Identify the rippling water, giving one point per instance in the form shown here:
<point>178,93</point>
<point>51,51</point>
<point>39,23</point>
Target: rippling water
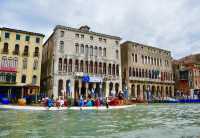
<point>152,121</point>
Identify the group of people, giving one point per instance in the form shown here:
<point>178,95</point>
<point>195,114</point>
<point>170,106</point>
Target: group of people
<point>50,102</point>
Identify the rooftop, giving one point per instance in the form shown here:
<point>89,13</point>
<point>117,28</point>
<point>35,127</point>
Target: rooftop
<point>86,29</point>
<point>21,31</point>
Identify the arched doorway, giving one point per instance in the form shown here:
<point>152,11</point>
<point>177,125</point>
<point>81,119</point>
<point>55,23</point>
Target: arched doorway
<point>117,88</point>
<point>60,87</point>
<point>133,90</point>
<point>76,90</point>
<point>138,91</point>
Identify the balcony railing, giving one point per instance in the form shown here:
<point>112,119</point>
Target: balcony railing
<point>15,52</point>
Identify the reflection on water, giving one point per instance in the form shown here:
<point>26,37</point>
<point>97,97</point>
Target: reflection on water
<point>153,121</point>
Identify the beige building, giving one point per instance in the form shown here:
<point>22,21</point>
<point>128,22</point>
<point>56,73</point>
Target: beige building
<point>79,62</point>
<point>146,68</point>
<point>20,62</point>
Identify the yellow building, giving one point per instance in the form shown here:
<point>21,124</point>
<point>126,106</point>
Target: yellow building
<point>20,62</point>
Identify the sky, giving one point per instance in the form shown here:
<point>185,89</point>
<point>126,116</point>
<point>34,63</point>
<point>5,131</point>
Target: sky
<point>168,24</point>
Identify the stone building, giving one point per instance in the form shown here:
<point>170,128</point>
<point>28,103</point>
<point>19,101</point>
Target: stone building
<point>146,68</point>
<point>20,62</point>
<point>79,61</point>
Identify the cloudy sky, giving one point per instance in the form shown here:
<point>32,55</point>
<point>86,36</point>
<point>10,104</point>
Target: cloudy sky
<point>170,24</point>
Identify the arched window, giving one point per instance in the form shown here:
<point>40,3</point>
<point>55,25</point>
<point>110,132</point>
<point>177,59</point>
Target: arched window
<point>143,73</point>
<point>23,80</point>
<point>104,68</point>
<point>35,64</point>
<point>109,69</point>
<point>76,65</point>
<point>34,79</point>
<point>91,50</point>
<point>82,49</point>
<point>25,62</point>
<point>10,61</point>
<point>134,72</point>
<point>95,51</point>
<point>81,66</point>
<point>36,53</point>
<point>91,67</point>
<point>70,65</point>
<point>140,74</point>
<point>60,64</point>
<point>117,70</point>
<point>130,72</point>
<point>86,50</point>
<point>149,73</point>
<point>77,48</point>
<point>60,87</point>
<point>61,48</point>
<point>100,51</point>
<point>117,54</point>
<point>86,67</point>
<point>100,68</point>
<point>95,67</point>
<point>113,69</point>
<point>26,50</point>
<point>5,48</point>
<point>65,65</point>
<point>16,51</point>
<point>15,62</point>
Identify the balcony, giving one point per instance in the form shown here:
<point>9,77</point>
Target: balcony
<point>4,51</point>
<point>36,54</point>
<point>15,52</point>
<point>26,54</point>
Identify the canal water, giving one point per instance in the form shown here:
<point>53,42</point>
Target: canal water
<point>142,121</point>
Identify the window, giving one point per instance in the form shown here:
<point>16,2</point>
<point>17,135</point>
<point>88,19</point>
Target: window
<point>109,69</point>
<point>104,40</point>
<point>10,62</point>
<point>36,53</point>
<point>91,38</point>
<point>86,67</point>
<point>25,63</point>
<point>34,79</point>
<point>65,65</point>
<point>62,33</point>
<point>82,36</point>
<point>100,39</point>
<point>37,40</point>
<point>35,64</point>
<point>95,51</point>
<point>16,51</point>
<point>133,57</point>
<point>117,42</point>
<point>17,37</point>
<point>27,38</point>
<point>26,51</point>
<point>4,62</point>
<point>61,46</point>
<point>77,35</point>
<point>60,64</point>
<point>7,35</point>
<point>5,48</point>
<point>86,50</point>
<point>91,67</point>
<point>76,65</point>
<point>117,54</point>
<point>82,49</point>
<point>136,58</point>
<point>15,62</point>
<point>104,52</point>
<point>117,70</point>
<point>70,65</point>
<point>100,51</point>
<point>77,48</point>
<point>23,79</point>
<point>91,50</point>
<point>81,66</point>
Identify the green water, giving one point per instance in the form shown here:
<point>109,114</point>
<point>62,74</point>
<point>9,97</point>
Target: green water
<point>153,121</point>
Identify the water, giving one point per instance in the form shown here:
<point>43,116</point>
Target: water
<point>153,121</point>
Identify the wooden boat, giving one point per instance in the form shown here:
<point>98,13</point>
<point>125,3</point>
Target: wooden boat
<point>42,108</point>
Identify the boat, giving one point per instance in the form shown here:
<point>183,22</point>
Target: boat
<point>42,108</point>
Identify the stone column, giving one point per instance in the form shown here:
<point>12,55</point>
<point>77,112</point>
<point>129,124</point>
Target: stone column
<point>107,88</point>
<point>87,86</point>
<point>72,88</point>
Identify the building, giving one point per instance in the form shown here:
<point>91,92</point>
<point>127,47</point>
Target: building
<point>79,61</point>
<point>146,68</point>
<point>187,74</point>
<point>20,62</point>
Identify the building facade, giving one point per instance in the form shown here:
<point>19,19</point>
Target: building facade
<point>20,62</point>
<point>187,74</point>
<point>79,62</point>
<point>146,68</point>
